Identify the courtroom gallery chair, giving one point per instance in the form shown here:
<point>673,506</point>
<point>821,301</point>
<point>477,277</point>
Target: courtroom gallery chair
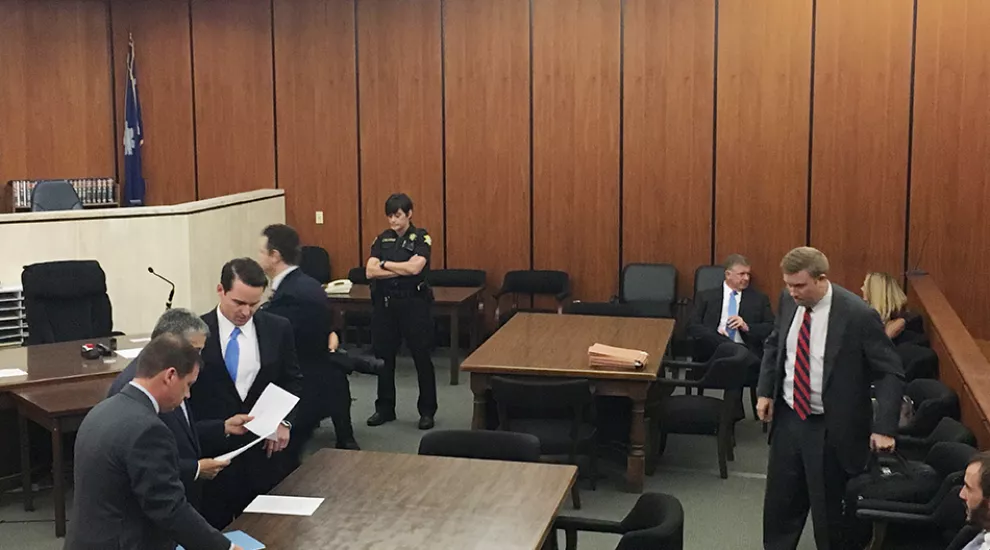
<point>315,262</point>
<point>559,412</point>
<point>358,321</point>
<point>555,284</point>
<point>481,444</point>
<point>650,288</point>
<point>457,278</point>
<point>947,430</point>
<point>919,361</point>
<point>656,522</point>
<point>54,195</point>
<point>726,370</point>
<point>933,401</point>
<point>66,300</point>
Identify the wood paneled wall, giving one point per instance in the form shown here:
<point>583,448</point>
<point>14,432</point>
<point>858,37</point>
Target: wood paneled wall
<point>566,134</point>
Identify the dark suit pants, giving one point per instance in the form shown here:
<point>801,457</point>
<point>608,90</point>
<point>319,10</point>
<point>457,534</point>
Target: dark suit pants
<point>804,472</point>
<point>249,475</point>
<point>406,319</point>
<point>326,392</point>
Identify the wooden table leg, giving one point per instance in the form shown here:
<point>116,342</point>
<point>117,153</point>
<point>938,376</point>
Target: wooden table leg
<point>22,427</point>
<point>479,387</point>
<point>455,344</point>
<point>58,475</point>
<point>636,462</point>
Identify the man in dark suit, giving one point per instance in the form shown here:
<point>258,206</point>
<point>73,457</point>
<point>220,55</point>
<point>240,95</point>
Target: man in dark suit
<point>733,312</point>
<point>300,299</point>
<point>194,438</point>
<point>247,350</point>
<point>827,348</point>
<point>127,488</point>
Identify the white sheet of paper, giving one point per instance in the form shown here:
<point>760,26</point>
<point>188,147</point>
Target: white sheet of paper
<point>144,340</point>
<point>129,353</point>
<point>271,409</point>
<point>4,373</point>
<point>237,452</point>
<point>287,506</point>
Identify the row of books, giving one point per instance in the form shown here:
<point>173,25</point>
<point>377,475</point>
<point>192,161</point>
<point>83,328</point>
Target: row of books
<point>92,191</point>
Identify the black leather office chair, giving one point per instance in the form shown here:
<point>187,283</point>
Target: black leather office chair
<point>54,195</point>
<point>66,300</point>
<point>656,522</point>
<point>933,401</point>
<point>481,444</point>
<point>650,288</point>
<point>919,361</point>
<point>707,277</point>
<point>947,430</point>
<point>315,262</point>
<point>534,283</point>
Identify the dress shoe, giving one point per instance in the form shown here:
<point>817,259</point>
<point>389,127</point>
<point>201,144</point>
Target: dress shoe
<point>348,444</point>
<point>378,418</point>
<point>426,422</point>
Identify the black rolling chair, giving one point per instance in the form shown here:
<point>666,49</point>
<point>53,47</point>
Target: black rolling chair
<point>358,321</point>
<point>933,401</point>
<point>54,195</point>
<point>701,414</point>
<point>650,288</point>
<point>66,301</point>
<point>457,278</point>
<point>481,444</point>
<point>560,413</point>
<point>533,283</point>
<point>656,522</point>
<point>315,262</point>
<point>947,430</point>
<point>919,361</point>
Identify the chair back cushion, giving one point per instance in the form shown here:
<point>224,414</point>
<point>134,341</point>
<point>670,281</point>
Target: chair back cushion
<point>656,521</point>
<point>54,195</point>
<point>933,401</point>
<point>456,277</point>
<point>648,282</point>
<point>358,276</point>
<point>65,301</point>
<point>315,262</point>
<point>481,444</point>
<point>540,282</point>
<point>708,277</point>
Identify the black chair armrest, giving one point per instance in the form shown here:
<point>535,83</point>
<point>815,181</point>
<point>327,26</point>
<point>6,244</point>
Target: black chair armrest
<point>677,364</point>
<point>117,333</point>
<point>890,516</point>
<point>563,296</point>
<point>680,383</point>
<point>571,523</point>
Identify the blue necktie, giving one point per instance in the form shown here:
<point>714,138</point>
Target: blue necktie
<point>233,354</point>
<point>733,310</point>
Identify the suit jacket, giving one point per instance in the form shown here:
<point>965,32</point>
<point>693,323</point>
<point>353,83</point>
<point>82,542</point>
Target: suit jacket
<point>754,308</point>
<point>300,299</point>
<point>188,435</point>
<point>857,353</point>
<point>127,489</point>
<point>214,396</point>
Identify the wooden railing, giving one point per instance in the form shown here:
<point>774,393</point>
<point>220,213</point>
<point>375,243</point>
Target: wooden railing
<point>962,365</point>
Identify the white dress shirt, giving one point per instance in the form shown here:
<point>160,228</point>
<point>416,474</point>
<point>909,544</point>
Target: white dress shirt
<point>249,361</point>
<point>981,542</point>
<point>816,352</point>
<point>277,280</point>
<point>145,391</point>
<point>726,294</point>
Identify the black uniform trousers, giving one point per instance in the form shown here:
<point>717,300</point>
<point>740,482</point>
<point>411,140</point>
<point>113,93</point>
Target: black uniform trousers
<point>409,319</point>
<point>804,472</point>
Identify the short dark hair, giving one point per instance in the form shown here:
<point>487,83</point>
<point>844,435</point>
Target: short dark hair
<point>735,259</point>
<point>285,240</point>
<point>167,351</point>
<point>396,202</point>
<point>983,459</point>
<point>246,270</point>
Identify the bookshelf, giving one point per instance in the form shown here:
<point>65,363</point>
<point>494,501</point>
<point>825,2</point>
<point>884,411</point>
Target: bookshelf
<point>93,193</point>
<point>13,318</point>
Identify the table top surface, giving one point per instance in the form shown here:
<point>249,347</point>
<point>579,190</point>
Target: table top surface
<point>66,398</point>
<point>548,344</point>
<point>443,295</point>
<point>384,501</point>
<point>47,363</point>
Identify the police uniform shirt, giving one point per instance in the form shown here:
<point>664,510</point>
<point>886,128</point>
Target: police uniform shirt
<point>389,247</point>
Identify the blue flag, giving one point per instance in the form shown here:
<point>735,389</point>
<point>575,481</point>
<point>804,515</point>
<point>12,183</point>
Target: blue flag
<point>133,135</point>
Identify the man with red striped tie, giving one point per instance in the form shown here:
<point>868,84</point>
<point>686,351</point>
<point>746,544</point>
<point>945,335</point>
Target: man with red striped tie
<point>826,350</point>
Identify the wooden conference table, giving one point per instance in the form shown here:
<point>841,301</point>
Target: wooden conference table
<point>447,300</point>
<point>542,344</point>
<point>385,501</point>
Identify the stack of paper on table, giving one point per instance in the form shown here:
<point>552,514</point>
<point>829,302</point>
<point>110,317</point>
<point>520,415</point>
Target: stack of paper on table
<point>600,355</point>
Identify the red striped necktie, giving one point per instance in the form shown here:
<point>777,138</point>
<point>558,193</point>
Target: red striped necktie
<point>802,369</point>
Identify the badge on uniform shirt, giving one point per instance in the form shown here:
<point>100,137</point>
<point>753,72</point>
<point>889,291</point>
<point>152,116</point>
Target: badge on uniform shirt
<point>412,237</point>
<point>428,240</point>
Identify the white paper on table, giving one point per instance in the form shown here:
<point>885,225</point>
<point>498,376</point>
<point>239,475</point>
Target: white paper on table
<point>288,506</point>
<point>4,373</point>
<point>144,340</point>
<point>237,452</point>
<point>129,353</point>
<point>270,410</point>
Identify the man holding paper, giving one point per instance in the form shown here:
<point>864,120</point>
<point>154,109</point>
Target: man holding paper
<point>127,488</point>
<point>247,351</point>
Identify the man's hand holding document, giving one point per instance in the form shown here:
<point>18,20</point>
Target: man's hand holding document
<point>602,356</point>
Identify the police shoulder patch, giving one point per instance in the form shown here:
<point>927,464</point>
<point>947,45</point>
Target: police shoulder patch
<point>427,240</point>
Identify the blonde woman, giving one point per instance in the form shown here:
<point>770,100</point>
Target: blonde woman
<point>882,292</point>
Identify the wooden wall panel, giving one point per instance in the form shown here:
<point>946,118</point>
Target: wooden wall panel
<point>576,113</point>
<point>232,70</point>
<point>161,32</point>
<point>401,114</point>
<point>316,106</point>
<point>668,107</point>
<point>859,162</point>
<point>56,111</point>
<point>487,125</point>
<point>762,132</point>
<point>950,182</point>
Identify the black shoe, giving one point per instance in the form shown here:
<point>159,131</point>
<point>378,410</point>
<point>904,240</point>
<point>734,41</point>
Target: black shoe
<point>378,418</point>
<point>348,444</point>
<point>426,422</point>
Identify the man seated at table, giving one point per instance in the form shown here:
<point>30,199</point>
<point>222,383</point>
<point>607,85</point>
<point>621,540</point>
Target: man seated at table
<point>194,438</point>
<point>733,312</point>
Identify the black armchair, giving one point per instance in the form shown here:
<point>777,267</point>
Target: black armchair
<point>533,283</point>
<point>933,401</point>
<point>656,522</point>
<point>315,262</point>
<point>54,195</point>
<point>65,301</point>
<point>919,361</point>
<point>650,288</point>
<point>947,429</point>
<point>481,444</point>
